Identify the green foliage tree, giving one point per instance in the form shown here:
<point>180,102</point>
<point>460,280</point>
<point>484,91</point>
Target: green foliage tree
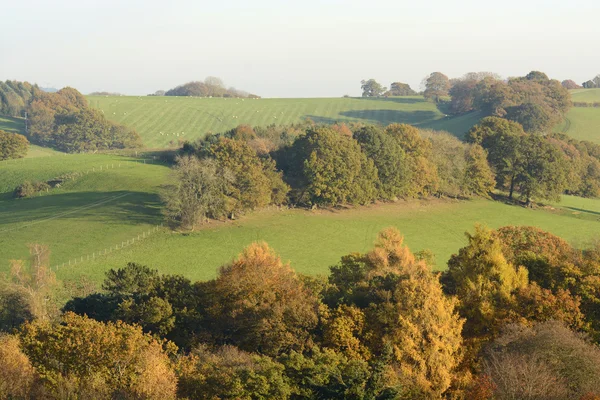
<point>479,179</point>
<point>255,183</point>
<point>437,86</point>
<point>330,169</point>
<point>229,373</point>
<point>12,145</point>
<point>423,172</point>
<point>389,159</point>
<point>400,89</point>
<point>371,88</point>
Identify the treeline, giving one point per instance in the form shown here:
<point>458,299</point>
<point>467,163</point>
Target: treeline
<point>538,166</point>
<point>63,120</point>
<point>372,88</point>
<point>15,97</point>
<point>12,145</point>
<point>210,87</point>
<point>516,315</point>
<point>535,101</point>
<point>311,165</point>
<point>592,83</point>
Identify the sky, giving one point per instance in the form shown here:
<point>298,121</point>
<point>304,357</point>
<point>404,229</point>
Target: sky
<point>278,48</point>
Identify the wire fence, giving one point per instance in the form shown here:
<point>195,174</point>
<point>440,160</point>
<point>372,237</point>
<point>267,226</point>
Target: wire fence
<point>108,250</point>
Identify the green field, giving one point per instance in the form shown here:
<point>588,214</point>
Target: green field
<point>167,121</point>
<point>106,208</point>
<point>586,95</point>
<point>582,124</point>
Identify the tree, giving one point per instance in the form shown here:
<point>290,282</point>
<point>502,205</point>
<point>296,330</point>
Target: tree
<point>546,361</point>
<point>255,183</point>
<point>329,169</point>
<point>260,305</point>
<point>437,86</point>
<point>389,159</point>
<point>18,378</point>
<point>502,139</point>
<point>424,177</point>
<point>570,84</point>
<point>12,145</point>
<point>83,357</point>
<point>405,313</point>
<point>198,192</point>
<point>479,179</point>
<point>400,89</point>
<point>484,281</point>
<point>229,373</point>
<point>371,88</point>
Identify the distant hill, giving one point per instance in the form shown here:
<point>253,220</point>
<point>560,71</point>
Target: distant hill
<point>166,121</point>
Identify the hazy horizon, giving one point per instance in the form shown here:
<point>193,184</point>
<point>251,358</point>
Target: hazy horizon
<point>308,49</point>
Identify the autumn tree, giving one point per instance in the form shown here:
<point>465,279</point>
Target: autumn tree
<point>570,84</point>
<point>546,361</point>
<point>12,145</point>
<point>83,357</point>
<point>371,88</point>
<point>260,305</point>
<point>436,85</point>
<point>484,281</point>
<point>405,312</point>
<point>18,378</point>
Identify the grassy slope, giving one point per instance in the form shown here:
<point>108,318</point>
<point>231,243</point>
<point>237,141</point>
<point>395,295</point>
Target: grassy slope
<point>587,95</point>
<point>583,123</point>
<point>88,215</point>
<point>163,121</point>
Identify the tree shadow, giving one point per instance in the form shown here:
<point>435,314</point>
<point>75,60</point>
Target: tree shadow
<point>381,117</point>
<point>583,210</point>
<point>401,100</point>
<point>116,206</point>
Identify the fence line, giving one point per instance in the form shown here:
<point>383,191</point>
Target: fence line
<point>108,250</point>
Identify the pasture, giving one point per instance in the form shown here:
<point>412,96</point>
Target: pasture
<point>167,121</point>
<point>105,209</point>
<point>586,95</point>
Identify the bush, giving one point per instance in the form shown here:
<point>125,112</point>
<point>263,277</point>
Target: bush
<point>29,189</point>
<point>12,145</point>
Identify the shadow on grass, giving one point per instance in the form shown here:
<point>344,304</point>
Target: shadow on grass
<point>582,210</point>
<point>11,124</point>
<point>384,117</point>
<point>401,100</point>
<point>109,207</point>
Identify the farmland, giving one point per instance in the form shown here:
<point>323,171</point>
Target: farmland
<point>166,121</point>
<point>105,208</point>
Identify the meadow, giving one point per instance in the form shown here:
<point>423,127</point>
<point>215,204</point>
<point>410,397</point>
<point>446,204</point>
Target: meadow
<point>166,121</point>
<point>106,208</point>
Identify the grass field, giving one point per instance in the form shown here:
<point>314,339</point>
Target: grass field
<point>166,121</point>
<point>103,209</point>
<point>586,95</point>
<point>582,124</point>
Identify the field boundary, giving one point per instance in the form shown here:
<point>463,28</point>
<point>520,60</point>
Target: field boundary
<point>108,250</point>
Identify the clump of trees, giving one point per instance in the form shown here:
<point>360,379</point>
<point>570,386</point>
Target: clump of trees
<point>320,166</point>
<point>12,145</point>
<point>514,316</point>
<point>210,87</point>
<point>63,119</point>
<point>400,89</point>
<point>535,166</point>
<point>535,101</point>
<point>437,86</point>
<point>592,83</point>
<point>372,88</point>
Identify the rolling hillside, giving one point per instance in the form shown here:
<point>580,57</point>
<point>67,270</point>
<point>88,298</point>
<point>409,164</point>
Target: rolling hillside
<point>583,123</point>
<point>166,121</point>
<point>114,207</point>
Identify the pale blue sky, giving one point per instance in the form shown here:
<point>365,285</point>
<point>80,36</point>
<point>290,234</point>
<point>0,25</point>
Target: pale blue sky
<point>291,49</point>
